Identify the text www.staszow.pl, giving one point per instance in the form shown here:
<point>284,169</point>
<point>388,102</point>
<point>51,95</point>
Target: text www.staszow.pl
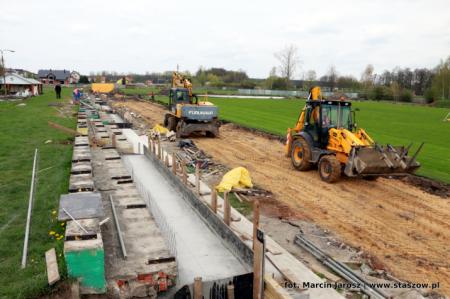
<point>349,285</point>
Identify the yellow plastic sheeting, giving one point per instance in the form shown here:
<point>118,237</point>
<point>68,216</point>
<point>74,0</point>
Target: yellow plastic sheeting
<point>160,129</point>
<point>238,177</point>
<point>102,87</point>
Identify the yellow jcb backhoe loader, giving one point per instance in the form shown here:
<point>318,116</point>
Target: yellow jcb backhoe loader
<point>325,135</point>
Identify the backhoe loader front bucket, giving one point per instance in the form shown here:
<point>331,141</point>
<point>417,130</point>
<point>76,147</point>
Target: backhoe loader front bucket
<point>381,160</point>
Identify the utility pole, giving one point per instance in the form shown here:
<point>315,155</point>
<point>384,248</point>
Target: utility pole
<point>4,68</point>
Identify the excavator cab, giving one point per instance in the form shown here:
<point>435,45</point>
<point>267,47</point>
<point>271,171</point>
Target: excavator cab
<point>180,96</point>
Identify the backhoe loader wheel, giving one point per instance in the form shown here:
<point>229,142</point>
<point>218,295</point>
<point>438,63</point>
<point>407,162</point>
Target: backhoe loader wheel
<point>329,168</point>
<point>301,154</point>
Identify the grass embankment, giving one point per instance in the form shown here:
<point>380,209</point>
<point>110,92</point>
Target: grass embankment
<point>397,124</point>
<point>25,128</point>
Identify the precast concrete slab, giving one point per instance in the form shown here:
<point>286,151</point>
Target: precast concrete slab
<point>81,168</point>
<point>200,252</point>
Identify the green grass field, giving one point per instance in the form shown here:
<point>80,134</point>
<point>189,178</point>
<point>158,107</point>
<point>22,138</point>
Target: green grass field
<point>23,129</point>
<point>144,91</point>
<point>396,124</point>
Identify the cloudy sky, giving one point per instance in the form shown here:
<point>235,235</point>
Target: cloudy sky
<point>140,36</point>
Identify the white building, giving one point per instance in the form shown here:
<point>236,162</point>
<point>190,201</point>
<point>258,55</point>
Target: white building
<point>18,85</point>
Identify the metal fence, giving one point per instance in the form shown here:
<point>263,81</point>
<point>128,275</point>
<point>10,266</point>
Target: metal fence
<point>288,93</point>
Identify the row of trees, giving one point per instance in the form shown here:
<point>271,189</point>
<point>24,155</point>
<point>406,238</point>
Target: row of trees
<point>220,77</point>
<point>399,84</point>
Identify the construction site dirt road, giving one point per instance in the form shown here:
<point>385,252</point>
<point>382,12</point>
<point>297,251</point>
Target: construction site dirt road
<point>403,229</point>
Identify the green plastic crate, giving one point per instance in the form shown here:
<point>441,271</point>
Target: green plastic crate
<point>85,256</point>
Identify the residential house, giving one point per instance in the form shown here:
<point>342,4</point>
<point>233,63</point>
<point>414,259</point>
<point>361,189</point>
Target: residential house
<point>18,85</point>
<point>74,77</point>
<point>54,76</point>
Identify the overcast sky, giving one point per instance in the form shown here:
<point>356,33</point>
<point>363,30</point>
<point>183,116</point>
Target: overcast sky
<point>140,36</point>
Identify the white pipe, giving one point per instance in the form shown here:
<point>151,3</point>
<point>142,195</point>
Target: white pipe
<point>30,205</point>
<point>74,220</point>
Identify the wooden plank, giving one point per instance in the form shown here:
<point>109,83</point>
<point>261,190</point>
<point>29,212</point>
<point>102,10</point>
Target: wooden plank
<point>214,201</point>
<point>230,291</point>
<point>226,209</point>
<point>255,220</point>
<point>174,164</point>
<point>198,288</point>
<point>197,177</point>
<point>273,290</point>
<point>258,265</point>
<point>52,266</point>
<point>238,197</point>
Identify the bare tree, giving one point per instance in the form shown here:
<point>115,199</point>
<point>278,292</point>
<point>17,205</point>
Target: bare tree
<point>311,75</point>
<point>273,72</point>
<point>367,76</point>
<point>332,76</point>
<point>289,62</point>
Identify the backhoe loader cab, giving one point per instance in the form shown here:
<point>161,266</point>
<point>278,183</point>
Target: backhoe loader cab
<point>321,116</point>
<point>325,136</point>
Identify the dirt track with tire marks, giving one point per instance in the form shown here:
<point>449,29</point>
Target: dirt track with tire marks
<point>404,229</point>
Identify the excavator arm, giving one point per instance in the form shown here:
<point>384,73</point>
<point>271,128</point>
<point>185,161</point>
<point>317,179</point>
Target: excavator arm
<point>178,80</point>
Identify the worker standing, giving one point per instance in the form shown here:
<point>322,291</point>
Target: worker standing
<point>58,91</point>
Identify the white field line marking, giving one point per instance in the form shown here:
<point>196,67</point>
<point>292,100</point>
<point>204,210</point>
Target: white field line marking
<point>5,226</point>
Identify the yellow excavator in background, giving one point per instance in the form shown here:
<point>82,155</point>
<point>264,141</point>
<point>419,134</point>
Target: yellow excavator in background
<point>187,114</point>
<point>325,135</point>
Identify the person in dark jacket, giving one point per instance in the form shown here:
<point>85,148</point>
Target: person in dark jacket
<point>58,91</point>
